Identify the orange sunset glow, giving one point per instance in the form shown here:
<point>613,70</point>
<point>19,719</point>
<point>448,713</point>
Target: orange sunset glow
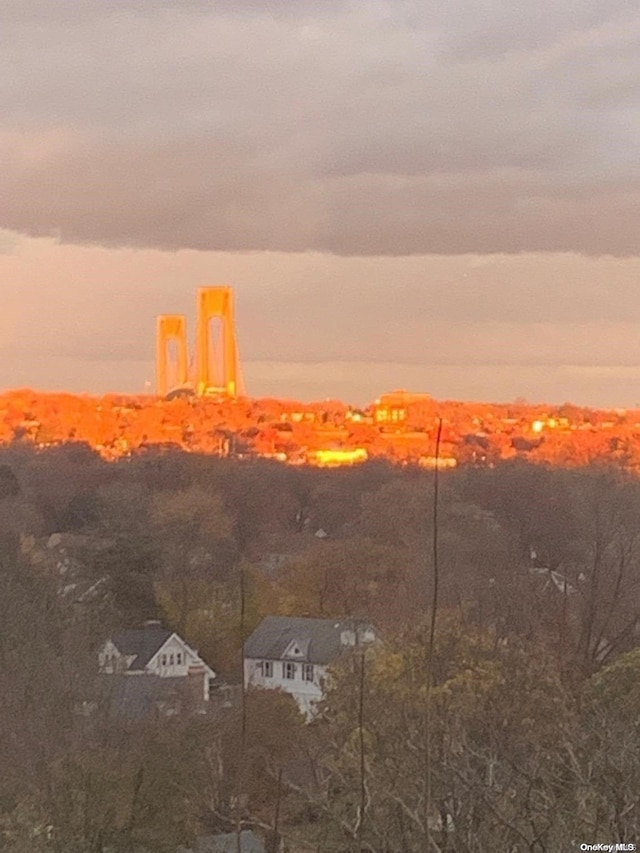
<point>399,427</point>
<point>319,426</point>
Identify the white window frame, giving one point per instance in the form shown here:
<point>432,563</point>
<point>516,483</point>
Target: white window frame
<point>267,668</point>
<point>288,670</point>
<point>307,672</point>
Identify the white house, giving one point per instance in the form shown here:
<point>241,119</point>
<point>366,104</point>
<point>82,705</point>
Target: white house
<point>293,654</point>
<point>156,655</point>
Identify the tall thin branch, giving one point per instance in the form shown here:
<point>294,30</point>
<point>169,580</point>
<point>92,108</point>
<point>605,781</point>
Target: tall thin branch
<point>275,838</point>
<point>432,636</point>
<point>243,714</point>
<point>242,633</point>
<point>363,769</point>
<point>436,572</point>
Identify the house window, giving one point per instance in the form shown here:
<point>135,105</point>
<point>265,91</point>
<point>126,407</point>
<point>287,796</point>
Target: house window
<point>267,668</point>
<point>163,660</point>
<point>307,672</point>
<point>288,670</point>
<point>179,658</point>
<point>171,660</point>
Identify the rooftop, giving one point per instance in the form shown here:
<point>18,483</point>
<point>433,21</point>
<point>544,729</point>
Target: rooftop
<point>320,640</point>
<point>142,643</point>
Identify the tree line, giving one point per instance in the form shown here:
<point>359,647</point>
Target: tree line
<point>518,732</point>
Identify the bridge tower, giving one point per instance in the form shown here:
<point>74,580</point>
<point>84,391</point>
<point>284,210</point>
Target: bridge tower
<point>171,357</point>
<point>216,345</point>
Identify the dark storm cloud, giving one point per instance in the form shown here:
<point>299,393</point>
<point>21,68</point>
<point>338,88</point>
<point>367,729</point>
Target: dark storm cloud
<point>373,128</point>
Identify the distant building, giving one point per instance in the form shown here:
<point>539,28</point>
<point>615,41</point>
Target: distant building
<point>439,462</point>
<point>334,458</point>
<point>293,654</point>
<point>398,408</point>
<point>153,667</point>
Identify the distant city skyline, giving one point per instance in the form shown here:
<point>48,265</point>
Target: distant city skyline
<point>402,193</point>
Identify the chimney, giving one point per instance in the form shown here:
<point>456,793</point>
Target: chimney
<point>347,638</point>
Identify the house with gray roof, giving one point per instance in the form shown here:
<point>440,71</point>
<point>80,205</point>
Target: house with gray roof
<point>293,654</point>
<point>133,699</point>
<point>159,659</point>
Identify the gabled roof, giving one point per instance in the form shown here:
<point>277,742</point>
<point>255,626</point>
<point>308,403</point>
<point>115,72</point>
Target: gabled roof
<point>143,643</point>
<point>135,698</point>
<point>320,639</point>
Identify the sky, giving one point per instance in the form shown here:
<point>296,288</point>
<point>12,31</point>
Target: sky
<point>403,193</point>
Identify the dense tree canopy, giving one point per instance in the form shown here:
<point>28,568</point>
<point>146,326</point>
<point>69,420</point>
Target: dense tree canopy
<point>517,732</point>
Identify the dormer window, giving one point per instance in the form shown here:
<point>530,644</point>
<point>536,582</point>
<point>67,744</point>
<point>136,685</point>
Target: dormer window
<point>179,658</point>
<point>297,649</point>
<point>163,660</point>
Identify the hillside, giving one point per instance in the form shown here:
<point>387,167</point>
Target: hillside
<point>399,426</point>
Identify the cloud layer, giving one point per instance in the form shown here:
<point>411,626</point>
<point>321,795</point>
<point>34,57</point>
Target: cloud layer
<point>376,127</point>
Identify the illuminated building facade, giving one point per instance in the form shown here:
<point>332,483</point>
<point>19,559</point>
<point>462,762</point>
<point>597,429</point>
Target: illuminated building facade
<point>399,407</point>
